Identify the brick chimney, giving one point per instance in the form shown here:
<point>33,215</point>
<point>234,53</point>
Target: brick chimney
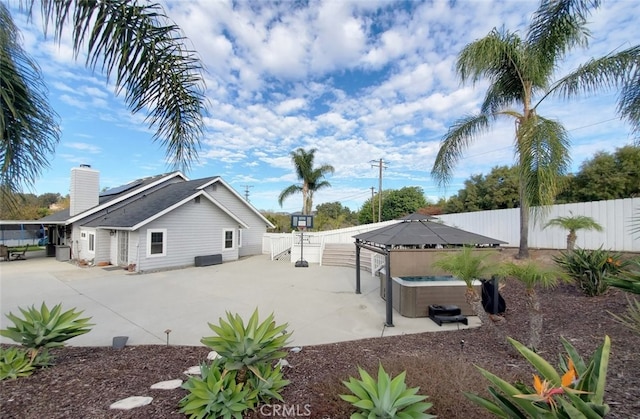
<point>85,189</point>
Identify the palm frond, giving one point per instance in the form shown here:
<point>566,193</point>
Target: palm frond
<point>543,149</point>
<point>491,57</point>
<point>621,69</point>
<point>557,27</point>
<point>29,130</point>
<point>150,60</point>
<point>629,101</point>
<point>455,142</point>
<point>290,190</point>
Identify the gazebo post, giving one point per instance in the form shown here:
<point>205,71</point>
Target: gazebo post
<point>358,267</point>
<point>389,290</point>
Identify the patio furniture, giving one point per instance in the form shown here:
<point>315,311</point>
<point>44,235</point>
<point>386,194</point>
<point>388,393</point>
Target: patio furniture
<point>4,252</point>
<point>19,255</point>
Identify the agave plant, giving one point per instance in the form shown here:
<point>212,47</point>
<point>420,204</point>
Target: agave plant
<point>44,328</point>
<point>577,393</point>
<point>215,393</point>
<point>15,362</point>
<point>267,384</point>
<point>385,398</point>
<point>243,347</point>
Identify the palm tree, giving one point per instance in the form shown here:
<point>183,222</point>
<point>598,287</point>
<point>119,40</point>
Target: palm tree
<point>521,74</point>
<point>532,276</point>
<point>468,266</point>
<point>574,223</point>
<point>137,44</point>
<point>28,126</point>
<point>312,178</point>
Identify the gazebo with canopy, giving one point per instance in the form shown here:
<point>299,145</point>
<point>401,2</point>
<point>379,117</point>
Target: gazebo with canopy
<point>414,230</point>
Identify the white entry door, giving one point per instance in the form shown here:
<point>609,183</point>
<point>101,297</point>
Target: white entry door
<point>123,248</point>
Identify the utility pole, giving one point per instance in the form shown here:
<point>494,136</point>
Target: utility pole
<point>373,209</point>
<point>381,165</point>
<point>246,192</point>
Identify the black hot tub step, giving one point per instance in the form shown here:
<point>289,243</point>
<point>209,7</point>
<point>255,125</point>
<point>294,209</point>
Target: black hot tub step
<point>459,318</point>
<point>444,310</point>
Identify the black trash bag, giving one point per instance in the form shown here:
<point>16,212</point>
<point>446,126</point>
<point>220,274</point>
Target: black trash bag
<point>488,295</point>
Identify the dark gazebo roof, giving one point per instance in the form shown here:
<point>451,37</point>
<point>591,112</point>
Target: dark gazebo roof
<point>417,230</point>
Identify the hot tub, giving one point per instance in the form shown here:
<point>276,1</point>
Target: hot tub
<point>412,296</point>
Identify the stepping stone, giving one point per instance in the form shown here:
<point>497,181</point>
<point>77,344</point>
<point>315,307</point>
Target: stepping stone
<point>131,402</point>
<point>167,385</point>
<point>283,363</point>
<point>193,370</point>
<point>213,355</point>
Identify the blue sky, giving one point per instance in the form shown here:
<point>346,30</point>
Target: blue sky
<point>358,80</point>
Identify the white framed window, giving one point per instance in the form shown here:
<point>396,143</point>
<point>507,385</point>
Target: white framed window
<point>92,242</point>
<point>157,242</point>
<point>83,235</point>
<point>228,241</point>
<point>239,238</point>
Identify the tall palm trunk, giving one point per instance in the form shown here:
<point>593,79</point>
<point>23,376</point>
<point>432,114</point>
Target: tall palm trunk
<point>535,318</point>
<point>523,251</point>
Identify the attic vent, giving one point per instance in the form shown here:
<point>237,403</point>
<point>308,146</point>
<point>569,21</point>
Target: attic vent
<point>197,200</point>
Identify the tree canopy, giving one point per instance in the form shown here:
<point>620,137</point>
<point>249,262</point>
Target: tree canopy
<point>135,44</point>
<point>311,178</point>
<point>396,203</point>
<point>521,73</point>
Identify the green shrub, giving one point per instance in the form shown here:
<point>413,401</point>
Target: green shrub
<point>15,362</point>
<point>628,280</point>
<point>215,394</point>
<point>578,393</point>
<point>631,318</point>
<point>243,375</point>
<point>267,384</point>
<point>385,398</point>
<point>242,347</point>
<point>590,268</point>
<point>45,328</point>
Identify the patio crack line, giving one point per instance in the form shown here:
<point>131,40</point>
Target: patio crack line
<point>113,311</point>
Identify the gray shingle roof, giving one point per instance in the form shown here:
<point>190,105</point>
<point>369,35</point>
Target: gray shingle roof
<point>423,232</point>
<point>141,207</point>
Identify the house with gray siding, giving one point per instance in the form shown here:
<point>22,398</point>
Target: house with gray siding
<point>158,222</point>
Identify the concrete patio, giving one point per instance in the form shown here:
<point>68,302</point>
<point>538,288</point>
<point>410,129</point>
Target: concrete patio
<point>318,302</point>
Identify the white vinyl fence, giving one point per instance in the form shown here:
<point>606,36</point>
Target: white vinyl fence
<point>615,216</point>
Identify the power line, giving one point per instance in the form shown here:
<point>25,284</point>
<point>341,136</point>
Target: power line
<point>380,165</point>
<point>246,192</point>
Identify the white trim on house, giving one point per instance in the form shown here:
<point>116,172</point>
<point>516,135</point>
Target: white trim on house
<point>134,192</point>
<point>150,233</point>
<point>218,179</point>
<point>232,240</point>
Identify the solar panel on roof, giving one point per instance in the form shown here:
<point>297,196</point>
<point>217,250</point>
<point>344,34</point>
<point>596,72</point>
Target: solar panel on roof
<point>119,189</point>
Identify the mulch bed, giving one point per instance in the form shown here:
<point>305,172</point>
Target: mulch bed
<point>86,380</point>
